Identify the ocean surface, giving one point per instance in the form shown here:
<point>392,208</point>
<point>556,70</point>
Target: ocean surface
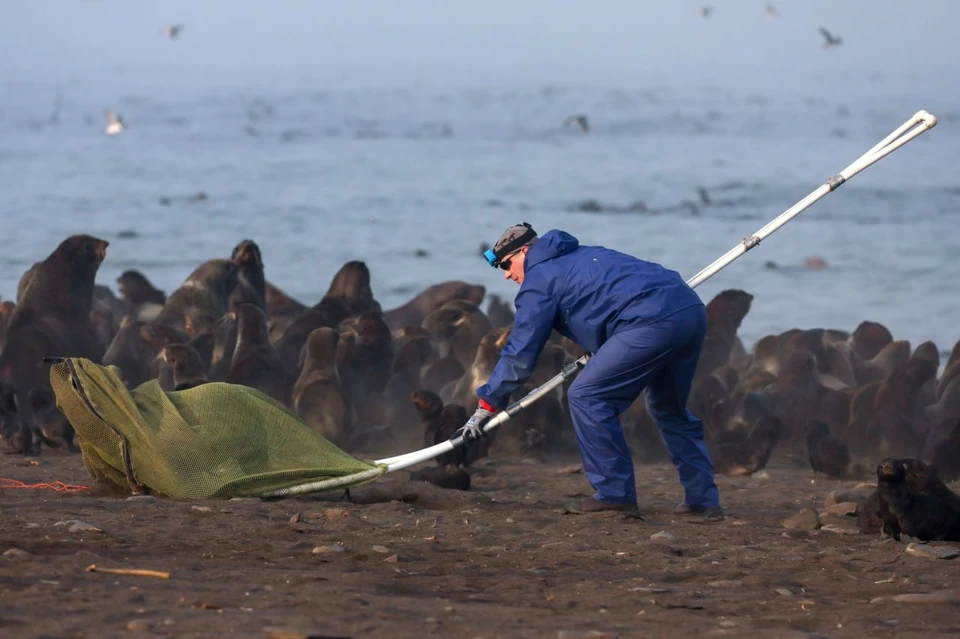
<point>412,178</point>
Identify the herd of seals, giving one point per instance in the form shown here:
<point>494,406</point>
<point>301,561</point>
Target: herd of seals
<point>364,377</point>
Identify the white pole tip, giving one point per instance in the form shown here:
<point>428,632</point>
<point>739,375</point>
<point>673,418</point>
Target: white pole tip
<point>927,118</point>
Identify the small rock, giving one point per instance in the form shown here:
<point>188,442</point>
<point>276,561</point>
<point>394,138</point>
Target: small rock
<point>202,509</point>
<point>16,552</point>
<point>795,534</point>
<point>919,598</point>
<point>571,470</point>
<point>248,500</point>
<point>931,552</point>
<point>840,530</point>
<point>381,549</point>
<point>763,474</point>
<point>725,583</point>
<point>590,634</point>
<point>531,461</point>
<point>336,513</point>
<point>806,519</point>
<point>143,499</point>
<point>323,550</point>
<point>784,592</point>
<point>482,528</point>
<point>511,520</point>
<point>663,534</point>
<point>392,559</point>
<point>842,509</point>
<point>295,519</point>
<point>138,626</point>
<point>75,525</point>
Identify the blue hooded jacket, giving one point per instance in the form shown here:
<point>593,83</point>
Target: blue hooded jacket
<point>586,293</point>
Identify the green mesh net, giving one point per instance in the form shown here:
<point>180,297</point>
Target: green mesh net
<point>214,440</point>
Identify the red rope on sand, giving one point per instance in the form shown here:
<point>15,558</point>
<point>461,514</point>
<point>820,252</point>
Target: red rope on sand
<point>57,486</point>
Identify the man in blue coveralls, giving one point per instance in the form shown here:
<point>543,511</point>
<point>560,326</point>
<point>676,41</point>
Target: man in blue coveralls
<point>644,327</point>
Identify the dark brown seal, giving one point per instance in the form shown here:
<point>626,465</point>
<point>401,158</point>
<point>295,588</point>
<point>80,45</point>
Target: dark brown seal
<point>318,396</point>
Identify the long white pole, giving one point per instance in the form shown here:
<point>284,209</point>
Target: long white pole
<point>918,124</point>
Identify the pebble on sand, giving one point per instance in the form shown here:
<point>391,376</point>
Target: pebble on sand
<point>663,534</point>
<point>323,550</point>
<point>806,519</point>
<point>842,509</point>
<point>931,552</point>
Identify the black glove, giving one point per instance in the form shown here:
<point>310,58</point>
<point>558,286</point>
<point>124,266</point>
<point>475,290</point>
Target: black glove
<point>473,429</point>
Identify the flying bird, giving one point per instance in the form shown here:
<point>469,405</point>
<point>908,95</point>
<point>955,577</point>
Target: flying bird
<point>579,120</point>
<point>115,123</point>
<point>771,12</point>
<point>705,11</point>
<point>173,31</point>
<point>831,40</point>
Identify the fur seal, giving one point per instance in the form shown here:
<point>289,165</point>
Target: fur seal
<point>53,316</point>
<point>500,312</point>
<point>827,454</point>
<point>134,350</point>
<point>725,313</point>
<point>749,455</point>
<point>869,338</point>
<point>14,430</point>
<point>921,515</point>
<point>457,328</point>
<point>796,392</point>
<point>318,397</point>
<point>441,423</point>
<point>282,310</point>
<point>327,313</point>
<point>180,368</point>
<point>205,293</point>
<point>464,391</point>
<point>882,364</point>
<point>251,285</point>
<point>144,301</point>
<point>255,362</point>
<point>364,363</point>
<point>412,354</point>
<point>433,297</point>
<point>53,427</point>
<point>352,284</point>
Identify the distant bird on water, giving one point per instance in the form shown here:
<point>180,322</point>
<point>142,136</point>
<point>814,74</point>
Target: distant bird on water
<point>579,120</point>
<point>771,12</point>
<point>830,40</point>
<point>705,11</point>
<point>173,31</point>
<point>115,123</point>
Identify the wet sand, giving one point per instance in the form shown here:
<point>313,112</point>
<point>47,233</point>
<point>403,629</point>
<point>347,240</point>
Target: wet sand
<point>502,560</point>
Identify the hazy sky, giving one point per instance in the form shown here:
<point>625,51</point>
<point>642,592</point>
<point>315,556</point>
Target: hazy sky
<point>621,42</point>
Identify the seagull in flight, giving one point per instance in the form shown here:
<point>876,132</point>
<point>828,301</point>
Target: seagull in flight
<point>115,123</point>
<point>579,120</point>
<point>173,31</point>
<point>831,40</point>
<point>771,12</point>
<point>705,11</point>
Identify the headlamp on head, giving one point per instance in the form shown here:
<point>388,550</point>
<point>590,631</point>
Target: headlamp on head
<point>495,256</point>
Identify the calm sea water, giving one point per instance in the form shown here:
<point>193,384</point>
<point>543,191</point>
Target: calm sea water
<point>321,174</point>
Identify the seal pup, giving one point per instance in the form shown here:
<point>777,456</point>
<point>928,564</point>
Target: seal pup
<point>796,392</point>
<point>53,316</point>
<point>255,362</point>
<point>180,367</point>
<point>457,328</point>
<point>440,423</point>
<point>14,430</point>
<point>251,285</point>
<point>923,516</point>
<point>318,397</point>
<point>412,355</point>
<point>51,425</point>
<point>750,455</point>
<point>144,301</point>
<point>134,350</point>
<point>827,454</point>
<point>464,391</point>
